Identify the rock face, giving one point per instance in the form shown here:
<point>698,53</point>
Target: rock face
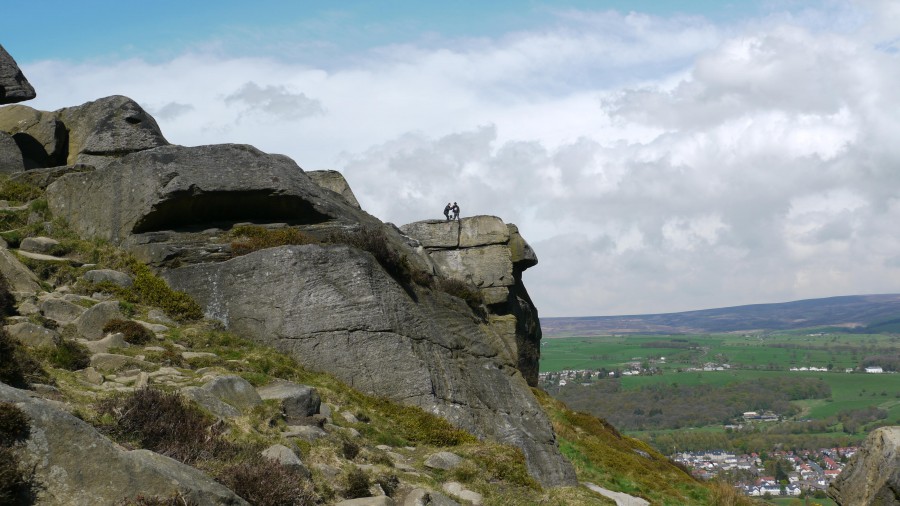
<point>41,137</point>
<point>491,255</point>
<point>10,157</point>
<point>77,465</point>
<point>334,181</point>
<point>872,477</point>
<point>335,309</point>
<point>13,85</point>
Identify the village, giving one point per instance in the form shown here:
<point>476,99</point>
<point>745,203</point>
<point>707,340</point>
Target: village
<point>810,473</point>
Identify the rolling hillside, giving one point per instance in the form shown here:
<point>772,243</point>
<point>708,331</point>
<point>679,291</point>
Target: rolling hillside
<point>879,313</point>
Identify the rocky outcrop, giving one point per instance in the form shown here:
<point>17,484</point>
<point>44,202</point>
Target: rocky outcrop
<point>872,477</point>
<point>95,133</point>
<point>107,129</point>
<point>334,181</point>
<point>41,137</point>
<point>10,157</point>
<point>335,309</point>
<point>13,85</point>
<point>77,465</point>
<point>491,255</point>
<point>176,187</point>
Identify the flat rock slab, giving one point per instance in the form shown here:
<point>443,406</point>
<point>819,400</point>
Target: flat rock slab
<point>33,335</point>
<point>109,276</point>
<point>113,362</point>
<point>235,391</point>
<point>61,311</point>
<point>456,489</point>
<point>621,498</point>
<point>368,501</point>
<point>38,244</point>
<point>48,258</point>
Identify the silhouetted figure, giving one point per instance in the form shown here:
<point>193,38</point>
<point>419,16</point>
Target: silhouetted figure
<point>447,211</point>
<point>455,210</point>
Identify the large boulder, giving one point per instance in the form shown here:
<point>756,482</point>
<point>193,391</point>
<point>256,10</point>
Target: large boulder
<point>174,187</point>
<point>75,464</point>
<point>872,477</point>
<point>13,85</point>
<point>107,129</point>
<point>10,156</point>
<point>21,279</point>
<point>41,136</point>
<point>335,309</point>
<point>334,181</point>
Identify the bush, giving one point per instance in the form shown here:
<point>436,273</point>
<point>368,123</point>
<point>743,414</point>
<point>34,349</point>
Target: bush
<point>167,424</point>
<point>7,300</point>
<point>14,425</point>
<point>389,483</point>
<point>16,483</point>
<point>134,332</point>
<point>462,290</point>
<point>356,484</point>
<point>264,482</point>
<point>349,449</point>
<point>250,238</point>
<point>18,191</point>
<point>151,290</point>
<point>69,355</point>
<point>18,368</point>
<point>375,241</point>
<point>173,500</point>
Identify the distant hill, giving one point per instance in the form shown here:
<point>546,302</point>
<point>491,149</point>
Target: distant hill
<point>868,313</point>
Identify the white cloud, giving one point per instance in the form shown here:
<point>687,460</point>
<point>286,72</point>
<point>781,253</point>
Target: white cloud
<point>655,165</point>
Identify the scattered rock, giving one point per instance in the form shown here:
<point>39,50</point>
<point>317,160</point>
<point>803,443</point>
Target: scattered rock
<point>42,139</point>
<point>90,324</point>
<point>156,328</point>
<point>91,376</point>
<point>113,362</point>
<point>33,335</point>
<point>116,340</point>
<point>210,402</point>
<point>368,501</point>
<point>235,391</point>
<point>349,417</point>
<point>305,432</point>
<point>159,317</point>
<point>109,276</point>
<point>286,457</point>
<point>298,402</point>
<point>189,355</point>
<point>422,497</point>
<point>456,489</point>
<point>13,85</point>
<point>443,460</point>
<point>20,278</point>
<point>38,244</point>
<point>61,310</point>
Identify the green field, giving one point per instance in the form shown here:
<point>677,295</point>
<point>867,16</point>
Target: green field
<point>749,356</point>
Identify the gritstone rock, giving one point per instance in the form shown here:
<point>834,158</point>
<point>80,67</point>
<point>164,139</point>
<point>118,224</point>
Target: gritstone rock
<point>443,460</point>
<point>13,85</point>
<point>334,181</point>
<point>107,129</point>
<point>41,137</point>
<point>234,390</point>
<point>33,335</point>
<point>21,278</point>
<point>77,465</point>
<point>333,308</point>
<point>38,244</point>
<point>286,457</point>
<point>108,275</point>
<point>297,401</point>
<point>90,324</point>
<point>872,477</point>
<point>11,160</point>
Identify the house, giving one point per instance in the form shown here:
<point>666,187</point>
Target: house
<point>874,370</point>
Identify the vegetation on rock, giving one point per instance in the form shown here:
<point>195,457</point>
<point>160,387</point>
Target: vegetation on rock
<point>16,482</point>
<point>18,368</point>
<point>263,482</point>
<point>132,331</point>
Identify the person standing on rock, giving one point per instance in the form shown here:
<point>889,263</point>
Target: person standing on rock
<point>455,210</point>
<point>447,211</point>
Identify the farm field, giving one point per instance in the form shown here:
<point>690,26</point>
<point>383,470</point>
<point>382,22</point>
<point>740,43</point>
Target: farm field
<point>675,360</point>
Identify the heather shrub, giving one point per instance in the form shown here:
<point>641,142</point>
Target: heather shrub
<point>250,238</point>
<point>7,300</point>
<point>460,289</point>
<point>349,449</point>
<point>16,483</point>
<point>263,482</point>
<point>14,425</point>
<point>18,368</point>
<point>133,332</point>
<point>167,424</point>
<point>173,500</point>
<point>151,290</point>
<point>68,354</point>
<point>356,484</point>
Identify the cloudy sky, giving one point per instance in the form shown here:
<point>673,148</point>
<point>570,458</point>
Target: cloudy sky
<point>659,156</point>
